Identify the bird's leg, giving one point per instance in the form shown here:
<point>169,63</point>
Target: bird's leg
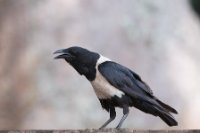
<point>112,117</point>
<point>125,112</point>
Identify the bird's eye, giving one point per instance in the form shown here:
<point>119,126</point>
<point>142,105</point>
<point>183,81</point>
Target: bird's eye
<point>72,52</point>
<point>75,53</point>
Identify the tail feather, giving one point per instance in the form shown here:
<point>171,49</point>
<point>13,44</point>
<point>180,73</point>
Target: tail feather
<point>167,107</point>
<point>158,109</point>
<point>166,117</point>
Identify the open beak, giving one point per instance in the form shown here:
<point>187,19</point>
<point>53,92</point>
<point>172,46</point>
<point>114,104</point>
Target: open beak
<point>63,54</point>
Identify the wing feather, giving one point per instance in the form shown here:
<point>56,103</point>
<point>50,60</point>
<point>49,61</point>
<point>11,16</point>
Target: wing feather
<point>131,84</point>
<point>125,80</point>
<point>122,77</point>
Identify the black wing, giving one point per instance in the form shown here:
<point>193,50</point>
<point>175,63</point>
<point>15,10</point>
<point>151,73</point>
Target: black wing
<point>123,78</point>
<point>141,83</point>
<point>130,83</point>
<point>127,81</point>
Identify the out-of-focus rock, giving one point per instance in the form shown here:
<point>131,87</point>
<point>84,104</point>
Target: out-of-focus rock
<point>157,39</point>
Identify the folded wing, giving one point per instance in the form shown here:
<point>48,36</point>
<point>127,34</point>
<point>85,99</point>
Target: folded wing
<point>131,84</point>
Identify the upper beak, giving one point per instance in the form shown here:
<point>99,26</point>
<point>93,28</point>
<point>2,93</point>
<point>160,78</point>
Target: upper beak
<point>63,53</point>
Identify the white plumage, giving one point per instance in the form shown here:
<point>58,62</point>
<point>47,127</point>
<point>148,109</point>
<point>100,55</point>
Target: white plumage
<point>102,88</point>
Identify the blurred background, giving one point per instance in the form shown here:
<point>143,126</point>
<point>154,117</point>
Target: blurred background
<point>158,39</point>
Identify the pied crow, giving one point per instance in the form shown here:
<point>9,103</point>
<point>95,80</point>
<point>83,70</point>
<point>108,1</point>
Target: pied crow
<point>116,85</point>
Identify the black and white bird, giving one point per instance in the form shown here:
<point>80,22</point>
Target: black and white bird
<point>116,85</point>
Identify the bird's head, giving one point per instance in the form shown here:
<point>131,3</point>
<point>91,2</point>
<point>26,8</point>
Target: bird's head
<point>83,60</point>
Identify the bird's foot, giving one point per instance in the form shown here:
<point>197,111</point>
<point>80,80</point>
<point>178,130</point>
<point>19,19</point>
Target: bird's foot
<point>117,127</point>
<point>102,127</point>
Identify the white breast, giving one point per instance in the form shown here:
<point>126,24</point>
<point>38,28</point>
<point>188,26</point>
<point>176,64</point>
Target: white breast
<point>102,87</point>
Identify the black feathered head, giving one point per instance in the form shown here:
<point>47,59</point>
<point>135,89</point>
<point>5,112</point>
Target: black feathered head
<point>83,60</point>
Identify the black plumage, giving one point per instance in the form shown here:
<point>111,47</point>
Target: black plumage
<point>116,85</point>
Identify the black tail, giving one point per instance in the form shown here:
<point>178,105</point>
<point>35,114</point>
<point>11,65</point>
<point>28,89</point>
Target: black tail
<point>168,118</point>
<point>163,111</point>
<point>160,109</point>
<point>167,107</point>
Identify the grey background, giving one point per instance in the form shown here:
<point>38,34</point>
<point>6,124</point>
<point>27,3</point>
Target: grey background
<point>158,39</point>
